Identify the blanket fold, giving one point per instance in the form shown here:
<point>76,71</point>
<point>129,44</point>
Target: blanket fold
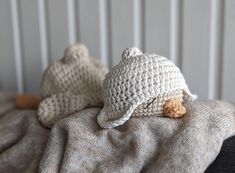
<point>22,138</point>
<point>153,144</point>
<point>147,144</point>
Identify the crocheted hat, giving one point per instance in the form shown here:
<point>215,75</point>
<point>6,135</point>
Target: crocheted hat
<point>71,84</point>
<point>77,73</point>
<point>140,85</point>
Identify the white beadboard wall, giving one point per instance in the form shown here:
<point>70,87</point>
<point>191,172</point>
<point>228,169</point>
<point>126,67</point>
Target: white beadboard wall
<point>198,35</point>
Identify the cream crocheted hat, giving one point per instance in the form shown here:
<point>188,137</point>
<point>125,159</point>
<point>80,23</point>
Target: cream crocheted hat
<point>71,84</point>
<point>140,85</point>
<point>77,73</point>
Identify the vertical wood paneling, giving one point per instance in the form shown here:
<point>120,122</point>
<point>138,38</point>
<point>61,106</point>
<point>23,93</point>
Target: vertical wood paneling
<point>196,32</point>
<point>89,25</point>
<point>58,28</point>
<point>138,22</point>
<point>7,65</point>
<point>215,57</point>
<point>157,26</point>
<point>17,48</point>
<point>30,45</point>
<point>121,28</point>
<point>176,32</point>
<point>197,35</point>
<point>43,32</point>
<point>229,52</point>
<point>104,32</point>
<point>72,27</point>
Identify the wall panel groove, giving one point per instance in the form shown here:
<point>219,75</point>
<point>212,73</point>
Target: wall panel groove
<point>43,33</point>
<point>176,32</point>
<point>110,38</point>
<point>104,31</point>
<point>138,23</point>
<point>17,45</point>
<point>72,26</point>
<point>215,57</point>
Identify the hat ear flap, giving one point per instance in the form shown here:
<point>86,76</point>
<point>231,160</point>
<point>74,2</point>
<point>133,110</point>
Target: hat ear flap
<point>131,52</point>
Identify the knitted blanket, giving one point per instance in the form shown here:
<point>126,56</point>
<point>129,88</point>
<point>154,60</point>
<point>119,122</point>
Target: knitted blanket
<point>153,144</point>
<point>78,144</point>
<point>72,90</point>
<point>22,138</point>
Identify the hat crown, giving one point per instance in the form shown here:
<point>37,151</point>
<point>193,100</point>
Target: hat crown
<point>77,73</point>
<point>139,77</point>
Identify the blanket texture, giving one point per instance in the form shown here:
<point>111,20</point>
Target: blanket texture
<point>78,144</point>
<point>153,144</point>
<point>22,138</point>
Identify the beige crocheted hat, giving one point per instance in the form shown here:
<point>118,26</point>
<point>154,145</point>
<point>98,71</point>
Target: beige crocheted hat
<point>77,73</point>
<point>71,84</point>
<point>140,85</point>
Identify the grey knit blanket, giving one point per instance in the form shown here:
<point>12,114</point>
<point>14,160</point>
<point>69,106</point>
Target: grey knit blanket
<point>78,144</point>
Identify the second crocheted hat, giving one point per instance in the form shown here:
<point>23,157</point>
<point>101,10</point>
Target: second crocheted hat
<point>77,73</point>
<point>141,84</point>
<point>71,84</point>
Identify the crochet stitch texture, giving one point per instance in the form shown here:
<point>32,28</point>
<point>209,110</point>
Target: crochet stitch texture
<point>137,80</point>
<point>71,84</point>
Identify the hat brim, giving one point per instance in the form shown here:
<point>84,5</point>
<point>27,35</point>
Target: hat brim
<point>188,96</point>
<point>105,122</point>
